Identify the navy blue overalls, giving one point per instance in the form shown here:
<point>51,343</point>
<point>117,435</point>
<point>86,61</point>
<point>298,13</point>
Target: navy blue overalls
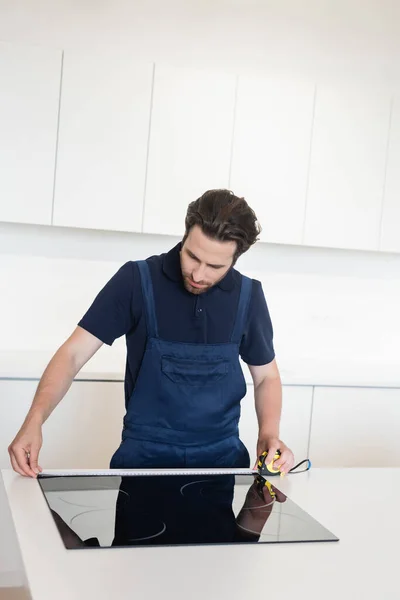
<point>184,410</point>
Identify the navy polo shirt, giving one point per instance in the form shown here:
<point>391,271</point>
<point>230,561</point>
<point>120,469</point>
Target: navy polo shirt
<point>207,318</point>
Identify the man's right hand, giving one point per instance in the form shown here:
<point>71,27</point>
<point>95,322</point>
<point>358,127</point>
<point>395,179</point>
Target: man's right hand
<point>24,450</point>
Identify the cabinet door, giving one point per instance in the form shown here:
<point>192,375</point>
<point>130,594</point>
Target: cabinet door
<point>102,149</point>
<point>82,432</point>
<point>271,150</point>
<point>347,168</point>
<point>295,422</point>
<point>390,232</point>
<point>355,427</point>
<point>11,565</point>
<point>190,143</point>
<point>29,101</point>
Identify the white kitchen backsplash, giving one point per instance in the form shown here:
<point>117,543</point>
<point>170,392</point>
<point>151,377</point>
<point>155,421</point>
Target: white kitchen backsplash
<point>334,312</point>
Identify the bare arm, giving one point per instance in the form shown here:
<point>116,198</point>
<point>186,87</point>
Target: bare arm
<point>268,398</point>
<point>268,403</point>
<point>54,384</point>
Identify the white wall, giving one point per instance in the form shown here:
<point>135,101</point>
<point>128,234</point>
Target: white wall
<point>329,39</point>
<point>335,313</point>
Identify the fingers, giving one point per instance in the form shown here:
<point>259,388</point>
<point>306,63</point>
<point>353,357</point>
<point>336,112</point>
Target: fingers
<point>24,450</point>
<point>263,445</point>
<point>285,468</point>
<point>23,461</point>
<point>20,462</point>
<point>271,454</point>
<point>285,461</point>
<point>33,460</point>
<point>15,465</point>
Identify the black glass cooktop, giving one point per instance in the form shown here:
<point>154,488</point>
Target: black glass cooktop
<point>165,510</point>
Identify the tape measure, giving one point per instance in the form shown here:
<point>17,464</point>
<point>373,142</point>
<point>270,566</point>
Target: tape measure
<point>269,469</point>
<point>262,483</point>
<point>262,469</point>
<point>142,472</point>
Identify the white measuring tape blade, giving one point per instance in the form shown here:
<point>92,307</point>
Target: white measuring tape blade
<point>136,472</point>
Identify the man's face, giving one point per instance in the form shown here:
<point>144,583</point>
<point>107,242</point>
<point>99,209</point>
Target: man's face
<point>204,261</point>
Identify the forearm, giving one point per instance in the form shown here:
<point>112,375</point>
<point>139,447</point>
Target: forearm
<point>53,386</point>
<point>268,403</point>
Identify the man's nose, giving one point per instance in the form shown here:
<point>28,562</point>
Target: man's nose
<point>198,274</point>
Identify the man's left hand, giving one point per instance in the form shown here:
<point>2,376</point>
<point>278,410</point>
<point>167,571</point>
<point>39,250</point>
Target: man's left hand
<point>286,460</point>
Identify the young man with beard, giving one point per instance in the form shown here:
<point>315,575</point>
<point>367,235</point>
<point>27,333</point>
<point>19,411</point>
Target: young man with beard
<point>188,315</point>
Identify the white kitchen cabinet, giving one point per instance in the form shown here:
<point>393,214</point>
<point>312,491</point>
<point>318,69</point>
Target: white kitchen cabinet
<point>295,421</point>
<point>190,143</point>
<point>271,150</point>
<point>355,427</point>
<point>390,232</point>
<point>29,101</point>
<point>82,432</point>
<point>11,565</point>
<point>347,168</point>
<point>103,138</point>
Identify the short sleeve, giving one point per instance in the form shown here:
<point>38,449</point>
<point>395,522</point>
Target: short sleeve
<point>112,313</point>
<point>257,346</point>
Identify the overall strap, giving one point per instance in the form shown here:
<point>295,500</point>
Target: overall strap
<point>148,298</point>
<point>241,315</point>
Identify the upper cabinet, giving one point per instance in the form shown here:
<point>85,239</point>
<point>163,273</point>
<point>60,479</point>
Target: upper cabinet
<point>271,152</point>
<point>190,143</point>
<point>94,139</point>
<point>347,168</point>
<point>103,139</point>
<point>390,232</point>
<point>29,102</point>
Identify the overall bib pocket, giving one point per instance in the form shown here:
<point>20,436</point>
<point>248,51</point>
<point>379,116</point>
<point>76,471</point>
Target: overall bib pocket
<point>196,373</point>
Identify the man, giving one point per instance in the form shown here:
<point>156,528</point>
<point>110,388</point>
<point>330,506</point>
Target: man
<point>187,316</point>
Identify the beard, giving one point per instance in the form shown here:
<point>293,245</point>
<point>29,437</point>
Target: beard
<point>195,290</point>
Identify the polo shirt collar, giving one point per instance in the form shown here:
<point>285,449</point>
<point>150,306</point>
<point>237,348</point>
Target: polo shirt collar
<point>172,269</point>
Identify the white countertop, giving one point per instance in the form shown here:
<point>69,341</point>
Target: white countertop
<point>109,365</point>
<point>360,506</point>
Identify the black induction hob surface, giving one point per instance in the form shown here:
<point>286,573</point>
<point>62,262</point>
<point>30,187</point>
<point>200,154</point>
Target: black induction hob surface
<point>165,510</point>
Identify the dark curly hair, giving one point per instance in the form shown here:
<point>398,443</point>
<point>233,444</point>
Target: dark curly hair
<point>225,217</point>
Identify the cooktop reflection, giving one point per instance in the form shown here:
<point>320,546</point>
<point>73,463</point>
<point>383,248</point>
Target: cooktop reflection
<point>143,510</point>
